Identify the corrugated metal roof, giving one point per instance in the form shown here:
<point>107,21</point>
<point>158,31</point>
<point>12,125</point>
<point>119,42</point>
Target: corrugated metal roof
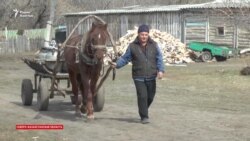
<point>221,4</point>
<point>143,9</point>
<point>134,9</point>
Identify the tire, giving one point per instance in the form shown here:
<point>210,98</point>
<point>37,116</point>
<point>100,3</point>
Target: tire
<point>52,95</point>
<point>43,96</point>
<point>220,58</point>
<point>27,92</point>
<point>99,100</point>
<point>206,56</point>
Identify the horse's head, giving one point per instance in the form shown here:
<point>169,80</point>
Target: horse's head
<point>96,42</point>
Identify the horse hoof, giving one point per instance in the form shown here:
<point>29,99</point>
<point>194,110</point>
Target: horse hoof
<point>91,117</point>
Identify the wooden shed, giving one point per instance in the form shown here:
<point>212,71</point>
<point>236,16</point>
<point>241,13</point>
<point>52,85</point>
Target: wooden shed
<point>165,18</point>
<point>218,22</point>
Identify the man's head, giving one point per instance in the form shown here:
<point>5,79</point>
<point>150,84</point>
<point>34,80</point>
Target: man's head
<point>143,33</point>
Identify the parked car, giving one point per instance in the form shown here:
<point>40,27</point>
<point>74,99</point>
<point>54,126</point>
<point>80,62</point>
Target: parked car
<point>210,50</point>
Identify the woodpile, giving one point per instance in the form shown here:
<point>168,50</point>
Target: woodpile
<point>173,50</point>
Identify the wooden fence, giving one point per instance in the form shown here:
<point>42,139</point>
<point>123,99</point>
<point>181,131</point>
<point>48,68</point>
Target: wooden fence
<point>20,44</point>
<point>31,40</point>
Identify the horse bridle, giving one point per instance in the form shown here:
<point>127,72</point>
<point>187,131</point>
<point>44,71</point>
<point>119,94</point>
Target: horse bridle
<point>95,47</point>
<point>99,46</point>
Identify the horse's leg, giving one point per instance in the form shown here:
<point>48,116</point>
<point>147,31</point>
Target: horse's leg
<point>93,85</point>
<point>83,105</point>
<point>91,91</point>
<point>88,95</point>
<point>73,79</point>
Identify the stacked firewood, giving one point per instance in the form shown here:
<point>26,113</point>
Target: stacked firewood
<point>173,50</point>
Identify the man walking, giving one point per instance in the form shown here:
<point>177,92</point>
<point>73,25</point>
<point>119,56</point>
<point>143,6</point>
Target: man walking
<point>147,64</point>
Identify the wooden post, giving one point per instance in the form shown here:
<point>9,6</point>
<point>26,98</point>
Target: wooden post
<point>184,31</point>
<point>235,38</point>
<point>6,33</point>
<point>207,29</point>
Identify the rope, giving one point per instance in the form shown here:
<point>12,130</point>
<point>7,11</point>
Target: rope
<point>70,46</point>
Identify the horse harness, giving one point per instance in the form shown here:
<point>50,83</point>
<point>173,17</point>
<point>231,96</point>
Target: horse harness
<point>86,59</point>
<point>80,55</point>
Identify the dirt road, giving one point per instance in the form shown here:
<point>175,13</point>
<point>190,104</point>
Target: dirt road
<point>199,102</point>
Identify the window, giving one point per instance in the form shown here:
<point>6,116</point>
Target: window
<point>221,31</point>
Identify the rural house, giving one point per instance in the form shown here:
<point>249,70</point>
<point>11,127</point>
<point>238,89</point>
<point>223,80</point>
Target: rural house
<point>218,21</point>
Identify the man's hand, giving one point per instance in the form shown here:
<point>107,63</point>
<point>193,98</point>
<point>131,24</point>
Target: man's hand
<point>160,75</point>
<point>112,64</point>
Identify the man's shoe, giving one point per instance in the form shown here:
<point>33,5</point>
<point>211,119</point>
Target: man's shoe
<point>145,121</point>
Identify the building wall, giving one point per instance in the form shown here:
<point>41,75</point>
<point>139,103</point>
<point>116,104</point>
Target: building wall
<point>205,25</point>
<point>195,28</point>
<point>187,25</point>
<point>243,31</point>
<point>119,24</point>
<point>221,22</point>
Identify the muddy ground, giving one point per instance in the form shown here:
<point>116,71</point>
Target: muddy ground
<point>197,102</point>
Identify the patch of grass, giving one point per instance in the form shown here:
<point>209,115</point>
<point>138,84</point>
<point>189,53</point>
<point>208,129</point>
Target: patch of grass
<point>206,87</point>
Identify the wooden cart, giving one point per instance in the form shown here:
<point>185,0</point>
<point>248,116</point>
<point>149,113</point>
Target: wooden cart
<point>43,89</point>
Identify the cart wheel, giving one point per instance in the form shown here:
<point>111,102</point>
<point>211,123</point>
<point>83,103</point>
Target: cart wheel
<point>27,92</point>
<point>43,96</point>
<point>52,94</point>
<point>99,100</point>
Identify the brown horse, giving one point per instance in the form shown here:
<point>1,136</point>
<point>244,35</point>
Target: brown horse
<point>85,64</point>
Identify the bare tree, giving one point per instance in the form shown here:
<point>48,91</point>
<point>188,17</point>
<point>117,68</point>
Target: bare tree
<point>236,11</point>
<point>40,9</point>
<point>11,11</point>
